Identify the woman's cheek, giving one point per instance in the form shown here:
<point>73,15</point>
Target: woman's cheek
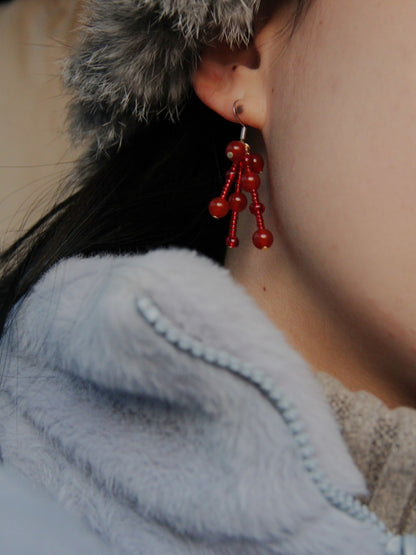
<point>343,172</point>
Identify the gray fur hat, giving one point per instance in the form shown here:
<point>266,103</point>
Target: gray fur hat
<point>135,59</point>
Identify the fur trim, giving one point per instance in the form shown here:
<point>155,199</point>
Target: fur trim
<point>135,59</point>
<point>164,451</point>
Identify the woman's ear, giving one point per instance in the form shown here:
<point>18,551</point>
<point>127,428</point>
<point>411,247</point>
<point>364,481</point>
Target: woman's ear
<point>225,75</point>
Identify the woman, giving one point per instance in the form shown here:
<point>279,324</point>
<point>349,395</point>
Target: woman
<point>158,401</point>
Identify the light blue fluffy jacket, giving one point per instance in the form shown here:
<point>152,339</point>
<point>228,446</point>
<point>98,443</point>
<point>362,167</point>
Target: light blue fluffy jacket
<point>151,397</point>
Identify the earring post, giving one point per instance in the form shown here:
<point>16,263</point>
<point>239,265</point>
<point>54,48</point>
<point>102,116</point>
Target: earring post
<point>243,133</point>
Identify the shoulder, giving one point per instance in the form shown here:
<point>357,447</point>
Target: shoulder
<point>163,358</point>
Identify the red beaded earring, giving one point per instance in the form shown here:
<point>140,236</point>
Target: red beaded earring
<point>242,176</point>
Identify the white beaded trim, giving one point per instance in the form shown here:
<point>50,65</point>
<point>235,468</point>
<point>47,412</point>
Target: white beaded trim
<point>176,337</point>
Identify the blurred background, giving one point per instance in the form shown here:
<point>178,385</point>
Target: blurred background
<point>35,153</point>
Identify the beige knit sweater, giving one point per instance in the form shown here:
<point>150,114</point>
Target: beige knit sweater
<point>383,445</point>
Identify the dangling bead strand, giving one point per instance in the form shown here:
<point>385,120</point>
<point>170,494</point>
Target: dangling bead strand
<point>243,175</point>
<point>237,202</point>
<point>219,206</point>
<point>232,241</point>
<point>262,238</point>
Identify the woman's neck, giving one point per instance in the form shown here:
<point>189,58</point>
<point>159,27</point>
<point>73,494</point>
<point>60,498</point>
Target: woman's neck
<point>328,335</point>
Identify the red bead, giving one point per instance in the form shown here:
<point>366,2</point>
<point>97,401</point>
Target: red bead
<point>250,181</point>
<point>235,151</point>
<point>247,161</point>
<point>218,207</point>
<point>257,208</point>
<point>232,242</point>
<point>257,163</point>
<point>237,202</point>
<point>262,239</point>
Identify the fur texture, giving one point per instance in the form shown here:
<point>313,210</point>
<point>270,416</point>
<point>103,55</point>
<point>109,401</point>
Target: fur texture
<point>135,59</point>
<point>32,522</point>
<point>160,451</point>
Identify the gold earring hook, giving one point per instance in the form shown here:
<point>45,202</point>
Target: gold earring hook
<point>238,120</point>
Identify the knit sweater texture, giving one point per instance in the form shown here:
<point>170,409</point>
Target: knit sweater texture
<point>383,444</point>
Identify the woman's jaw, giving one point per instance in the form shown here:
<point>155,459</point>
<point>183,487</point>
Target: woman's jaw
<point>335,106</point>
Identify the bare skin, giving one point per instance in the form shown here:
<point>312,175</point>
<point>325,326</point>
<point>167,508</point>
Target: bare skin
<point>335,114</point>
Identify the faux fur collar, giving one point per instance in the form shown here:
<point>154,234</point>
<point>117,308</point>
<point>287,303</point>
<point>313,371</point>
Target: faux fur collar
<point>152,397</point>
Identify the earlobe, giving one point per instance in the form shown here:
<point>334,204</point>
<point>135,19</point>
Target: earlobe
<point>225,75</point>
